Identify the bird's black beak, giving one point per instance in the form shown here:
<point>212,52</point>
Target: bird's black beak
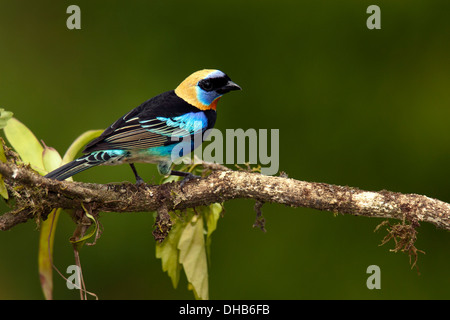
<point>229,86</point>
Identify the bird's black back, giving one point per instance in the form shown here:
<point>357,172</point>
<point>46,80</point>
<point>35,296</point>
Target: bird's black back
<point>166,105</point>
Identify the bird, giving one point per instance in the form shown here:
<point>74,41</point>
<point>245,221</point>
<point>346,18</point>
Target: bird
<point>154,131</point>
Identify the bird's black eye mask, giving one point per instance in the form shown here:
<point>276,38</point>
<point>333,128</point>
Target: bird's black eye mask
<point>211,84</point>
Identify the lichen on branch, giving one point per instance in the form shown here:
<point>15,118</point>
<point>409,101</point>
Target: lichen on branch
<point>39,195</point>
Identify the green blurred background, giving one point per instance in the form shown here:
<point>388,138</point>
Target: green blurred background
<point>357,107</point>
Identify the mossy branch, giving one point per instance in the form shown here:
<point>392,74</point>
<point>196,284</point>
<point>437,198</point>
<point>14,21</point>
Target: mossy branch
<point>36,196</point>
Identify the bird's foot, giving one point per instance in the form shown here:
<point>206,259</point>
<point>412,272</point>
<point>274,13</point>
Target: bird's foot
<point>186,177</point>
<point>140,182</point>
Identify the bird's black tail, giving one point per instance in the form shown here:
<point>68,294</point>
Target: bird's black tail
<point>71,168</point>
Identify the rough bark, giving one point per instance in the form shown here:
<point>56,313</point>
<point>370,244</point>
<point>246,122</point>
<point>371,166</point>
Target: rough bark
<point>36,195</point>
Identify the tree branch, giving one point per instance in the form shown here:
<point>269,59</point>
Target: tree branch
<point>36,196</point>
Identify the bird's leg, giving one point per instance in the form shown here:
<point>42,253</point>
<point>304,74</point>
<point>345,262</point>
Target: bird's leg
<point>164,169</point>
<point>139,180</point>
<point>187,176</point>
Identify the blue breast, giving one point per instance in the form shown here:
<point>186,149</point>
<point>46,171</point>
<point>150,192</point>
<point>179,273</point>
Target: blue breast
<point>192,122</point>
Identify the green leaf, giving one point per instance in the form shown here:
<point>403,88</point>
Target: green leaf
<point>4,117</point>
<point>51,160</point>
<point>78,243</point>
<point>45,256</point>
<point>25,143</point>
<point>3,190</point>
<point>193,257</point>
<point>79,143</point>
<point>212,215</point>
<point>2,152</point>
<point>185,247</point>
<point>44,159</point>
<point>168,252</point>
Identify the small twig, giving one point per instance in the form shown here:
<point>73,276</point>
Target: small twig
<point>162,225</point>
<point>260,222</point>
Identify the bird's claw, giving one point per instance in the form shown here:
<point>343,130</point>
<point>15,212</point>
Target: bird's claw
<point>187,177</point>
<point>140,183</point>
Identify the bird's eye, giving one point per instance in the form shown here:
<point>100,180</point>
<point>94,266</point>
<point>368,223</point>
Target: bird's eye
<point>206,85</point>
